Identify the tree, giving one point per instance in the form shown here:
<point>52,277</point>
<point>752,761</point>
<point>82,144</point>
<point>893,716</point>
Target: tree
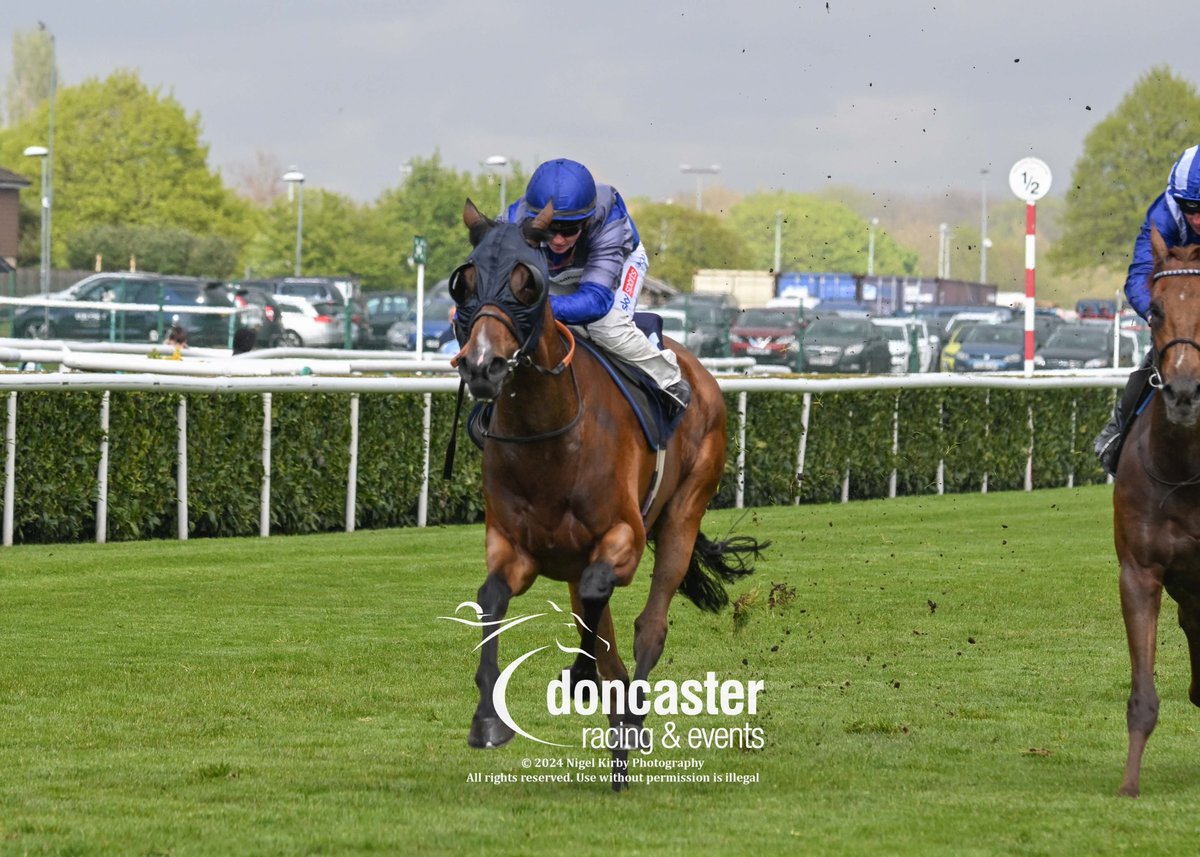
<point>680,240</point>
<point>33,73</point>
<point>1124,166</point>
<point>126,155</point>
<point>430,203</point>
<point>815,235</point>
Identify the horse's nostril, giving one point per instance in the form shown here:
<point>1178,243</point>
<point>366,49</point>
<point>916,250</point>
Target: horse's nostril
<point>497,367</point>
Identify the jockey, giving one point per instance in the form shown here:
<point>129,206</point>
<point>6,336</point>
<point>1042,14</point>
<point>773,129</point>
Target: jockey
<point>593,235</point>
<point>1176,214</point>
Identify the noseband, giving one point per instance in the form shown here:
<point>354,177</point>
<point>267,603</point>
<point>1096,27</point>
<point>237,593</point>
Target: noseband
<point>1155,377</point>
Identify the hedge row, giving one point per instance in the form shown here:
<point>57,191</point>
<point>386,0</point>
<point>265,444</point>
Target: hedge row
<point>973,432</point>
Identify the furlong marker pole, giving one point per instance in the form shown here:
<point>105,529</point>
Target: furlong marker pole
<point>1030,292</point>
<point>1029,179</point>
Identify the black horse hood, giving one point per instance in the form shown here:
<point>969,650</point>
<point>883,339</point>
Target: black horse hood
<point>502,248</point>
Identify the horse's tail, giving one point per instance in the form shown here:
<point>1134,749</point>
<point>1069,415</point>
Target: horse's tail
<point>713,564</point>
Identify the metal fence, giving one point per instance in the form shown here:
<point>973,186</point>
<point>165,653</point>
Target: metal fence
<point>255,377</point>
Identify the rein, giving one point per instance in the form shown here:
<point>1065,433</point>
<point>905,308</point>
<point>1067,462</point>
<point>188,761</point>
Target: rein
<point>518,359</point>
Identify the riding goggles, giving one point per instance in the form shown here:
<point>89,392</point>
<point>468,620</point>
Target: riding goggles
<point>565,228</point>
<point>1187,206</point>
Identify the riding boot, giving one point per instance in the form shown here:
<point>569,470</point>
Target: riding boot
<point>680,394</point>
<point>1112,436</point>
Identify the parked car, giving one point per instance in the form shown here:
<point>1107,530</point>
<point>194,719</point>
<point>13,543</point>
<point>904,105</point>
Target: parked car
<point>336,290</point>
<point>710,314</point>
<point>769,335</point>
<point>401,336</point>
<point>951,345</point>
<point>902,334</point>
<point>312,325</point>
<point>1086,346</point>
<point>991,348</point>
<point>674,325</point>
<point>172,293</point>
<point>262,314</point>
<point>837,344</point>
<point>383,310</point>
<point>1096,308</point>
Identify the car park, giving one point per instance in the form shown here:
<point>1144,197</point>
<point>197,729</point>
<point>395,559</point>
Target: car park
<point>170,297</point>
<point>383,310</point>
<point>261,313</point>
<point>401,336</point>
<point>838,344</point>
<point>712,315</point>
<point>770,335</point>
<point>311,325</point>
<point>674,325</point>
<point>1086,346</point>
<point>904,334</point>
<point>991,348</point>
<point>316,290</point>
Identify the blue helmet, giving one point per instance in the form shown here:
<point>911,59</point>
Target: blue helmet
<point>1184,182</point>
<point>567,184</point>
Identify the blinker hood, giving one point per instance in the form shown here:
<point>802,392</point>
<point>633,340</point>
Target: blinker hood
<point>503,248</point>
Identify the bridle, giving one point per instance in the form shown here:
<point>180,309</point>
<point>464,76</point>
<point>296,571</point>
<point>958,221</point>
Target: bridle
<point>519,358</point>
<point>1156,380</point>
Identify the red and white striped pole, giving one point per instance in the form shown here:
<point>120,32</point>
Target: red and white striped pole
<point>1030,291</point>
<point>1029,180</point>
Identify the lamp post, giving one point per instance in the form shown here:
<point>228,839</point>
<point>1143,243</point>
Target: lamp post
<point>871,224</point>
<point>778,242</point>
<point>295,179</point>
<point>699,173</point>
<point>44,276</point>
<point>501,163</point>
<point>984,243</point>
<point>944,251</point>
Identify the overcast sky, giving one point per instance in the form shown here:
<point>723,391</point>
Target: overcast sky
<point>890,96</point>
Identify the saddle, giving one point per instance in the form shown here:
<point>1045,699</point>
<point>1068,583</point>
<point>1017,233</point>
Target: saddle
<point>651,406</point>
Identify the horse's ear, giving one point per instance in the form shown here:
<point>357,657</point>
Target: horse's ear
<point>1157,246</point>
<point>542,221</point>
<point>475,222</point>
<point>471,214</point>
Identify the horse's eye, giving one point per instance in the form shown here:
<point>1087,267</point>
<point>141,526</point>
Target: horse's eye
<point>1154,316</point>
<point>527,285</point>
<point>462,283</point>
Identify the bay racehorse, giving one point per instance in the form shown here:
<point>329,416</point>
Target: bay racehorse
<point>1156,498</point>
<point>568,478</point>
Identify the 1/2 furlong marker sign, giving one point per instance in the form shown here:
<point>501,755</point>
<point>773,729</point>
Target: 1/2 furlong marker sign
<point>1030,180</point>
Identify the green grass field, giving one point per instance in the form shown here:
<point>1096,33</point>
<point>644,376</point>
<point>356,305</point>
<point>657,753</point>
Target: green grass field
<point>943,675</point>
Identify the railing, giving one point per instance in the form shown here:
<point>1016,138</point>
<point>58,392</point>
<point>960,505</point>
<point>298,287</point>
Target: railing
<point>324,374</point>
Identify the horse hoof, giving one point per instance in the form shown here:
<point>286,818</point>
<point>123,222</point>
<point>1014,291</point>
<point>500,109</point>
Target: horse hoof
<point>1129,791</point>
<point>488,732</point>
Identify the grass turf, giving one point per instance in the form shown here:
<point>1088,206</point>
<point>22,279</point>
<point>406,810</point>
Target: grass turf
<point>944,675</point>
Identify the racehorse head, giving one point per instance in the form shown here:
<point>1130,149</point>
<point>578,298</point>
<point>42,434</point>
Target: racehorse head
<point>501,293</point>
<point>1175,323</point>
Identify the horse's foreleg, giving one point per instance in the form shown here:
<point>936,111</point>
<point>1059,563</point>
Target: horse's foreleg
<point>1141,597</point>
<point>487,729</point>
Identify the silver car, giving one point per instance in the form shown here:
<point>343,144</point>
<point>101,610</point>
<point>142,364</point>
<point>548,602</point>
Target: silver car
<point>313,325</point>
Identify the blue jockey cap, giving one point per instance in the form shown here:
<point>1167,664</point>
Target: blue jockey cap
<point>567,184</point>
<point>1184,182</point>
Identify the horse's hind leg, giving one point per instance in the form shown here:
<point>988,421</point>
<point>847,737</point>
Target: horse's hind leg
<point>1141,597</point>
<point>487,729</point>
<point>595,589</point>
<point>1189,621</point>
